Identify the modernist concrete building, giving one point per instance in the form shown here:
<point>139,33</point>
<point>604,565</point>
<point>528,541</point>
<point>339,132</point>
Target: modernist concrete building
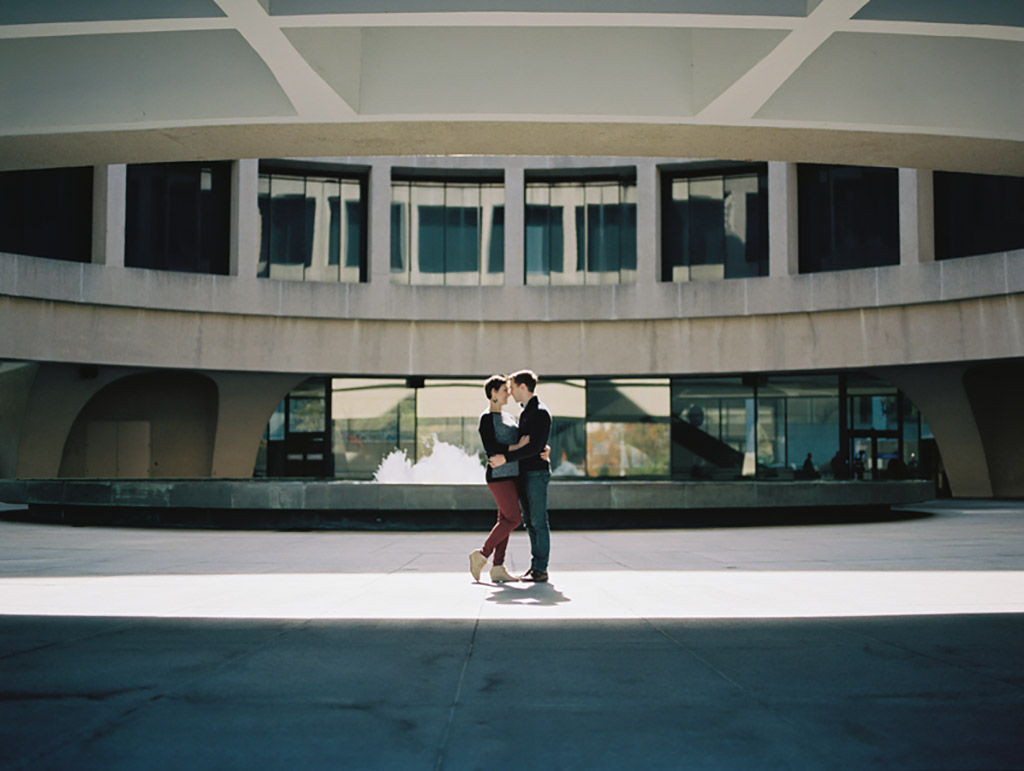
<point>282,236</point>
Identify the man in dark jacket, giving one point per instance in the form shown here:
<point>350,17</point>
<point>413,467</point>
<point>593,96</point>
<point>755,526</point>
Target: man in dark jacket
<point>534,471</point>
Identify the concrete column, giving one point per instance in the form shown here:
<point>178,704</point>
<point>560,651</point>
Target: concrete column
<point>15,387</point>
<point>917,216</point>
<point>245,218</point>
<point>783,242</point>
<point>379,235</point>
<point>648,225</point>
<point>515,227</point>
<point>939,392</point>
<point>109,201</point>
<point>247,401</point>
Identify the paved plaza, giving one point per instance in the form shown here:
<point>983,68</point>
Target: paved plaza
<point>894,644</point>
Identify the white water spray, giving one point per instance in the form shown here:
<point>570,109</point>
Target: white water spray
<point>445,464</point>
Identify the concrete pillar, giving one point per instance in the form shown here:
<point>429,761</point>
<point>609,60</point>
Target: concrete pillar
<point>109,202</point>
<point>515,227</point>
<point>246,402</point>
<point>16,380</point>
<point>379,235</point>
<point>245,218</point>
<point>917,216</point>
<point>938,392</point>
<point>648,225</point>
<point>783,243</point>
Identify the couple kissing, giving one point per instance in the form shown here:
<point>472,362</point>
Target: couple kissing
<point>518,474</point>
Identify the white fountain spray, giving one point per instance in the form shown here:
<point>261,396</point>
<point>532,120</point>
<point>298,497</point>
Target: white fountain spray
<point>444,464</point>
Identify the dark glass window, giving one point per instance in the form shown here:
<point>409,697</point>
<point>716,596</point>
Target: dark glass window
<point>47,213</point>
<point>580,231</point>
<point>849,217</point>
<point>714,224</point>
<point>977,214</point>
<point>178,217</point>
<point>447,231</point>
<point>312,226</point>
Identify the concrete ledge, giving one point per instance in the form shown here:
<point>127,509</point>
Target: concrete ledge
<point>342,496</point>
<point>61,281</point>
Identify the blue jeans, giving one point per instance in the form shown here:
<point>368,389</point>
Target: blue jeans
<point>533,497</point>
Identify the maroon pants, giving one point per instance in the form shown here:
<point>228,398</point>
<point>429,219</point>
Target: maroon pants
<point>506,493</point>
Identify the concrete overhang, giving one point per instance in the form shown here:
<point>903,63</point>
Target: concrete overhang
<point>876,82</point>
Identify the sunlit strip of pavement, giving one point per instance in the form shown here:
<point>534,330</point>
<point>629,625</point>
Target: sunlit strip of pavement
<point>578,595</point>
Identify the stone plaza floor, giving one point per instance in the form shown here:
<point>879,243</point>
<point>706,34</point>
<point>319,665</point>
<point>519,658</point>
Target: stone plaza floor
<point>894,644</point>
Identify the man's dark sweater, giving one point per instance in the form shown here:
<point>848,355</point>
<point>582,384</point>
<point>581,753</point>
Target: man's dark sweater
<point>535,422</point>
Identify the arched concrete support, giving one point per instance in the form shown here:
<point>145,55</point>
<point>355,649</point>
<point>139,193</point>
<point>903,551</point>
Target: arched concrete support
<point>938,392</point>
<point>994,391</point>
<point>156,424</point>
<point>246,402</point>
<point>58,394</point>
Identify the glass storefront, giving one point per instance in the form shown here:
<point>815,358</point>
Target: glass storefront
<point>752,427</point>
<point>712,428</point>
<point>799,420</point>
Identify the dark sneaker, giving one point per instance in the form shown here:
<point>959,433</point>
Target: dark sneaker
<point>537,576</point>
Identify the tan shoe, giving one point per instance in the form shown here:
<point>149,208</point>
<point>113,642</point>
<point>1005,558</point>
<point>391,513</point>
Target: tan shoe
<point>477,560</point>
<point>499,574</point>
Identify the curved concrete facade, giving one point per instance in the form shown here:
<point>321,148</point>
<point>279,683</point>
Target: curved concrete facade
<point>486,89</point>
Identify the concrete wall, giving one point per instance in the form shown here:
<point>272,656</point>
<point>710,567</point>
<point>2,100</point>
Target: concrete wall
<point>965,330</point>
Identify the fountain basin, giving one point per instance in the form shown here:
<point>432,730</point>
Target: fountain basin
<point>264,502</point>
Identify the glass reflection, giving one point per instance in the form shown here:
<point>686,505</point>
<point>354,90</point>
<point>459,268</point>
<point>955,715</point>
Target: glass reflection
<point>798,427</point>
<point>580,232</point>
<point>627,430</point>
<point>566,235</point>
<point>447,233</point>
<point>312,228</point>
<point>714,226</point>
<point>712,429</point>
<point>401,195</point>
<point>370,418</point>
<point>753,427</point>
<point>492,207</point>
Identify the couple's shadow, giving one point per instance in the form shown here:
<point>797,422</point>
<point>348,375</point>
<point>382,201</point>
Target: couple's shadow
<point>526,594</point>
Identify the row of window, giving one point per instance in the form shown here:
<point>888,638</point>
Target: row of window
<point>726,428</point>
<point>450,230</point>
